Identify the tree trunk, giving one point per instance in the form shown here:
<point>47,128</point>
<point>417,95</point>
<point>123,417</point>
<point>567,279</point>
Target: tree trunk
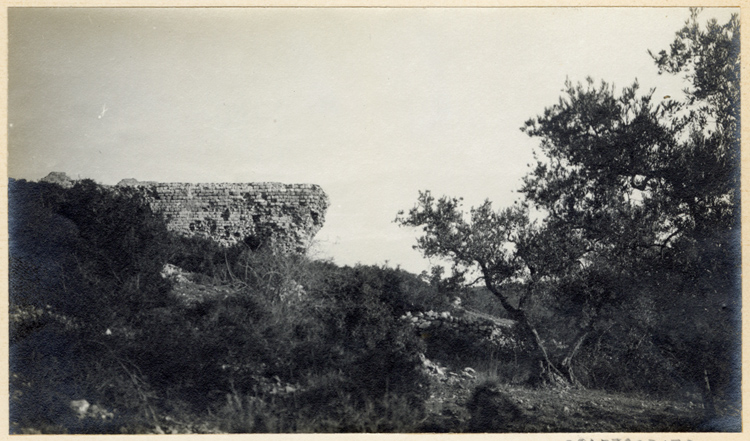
<point>567,363</point>
<point>548,372</point>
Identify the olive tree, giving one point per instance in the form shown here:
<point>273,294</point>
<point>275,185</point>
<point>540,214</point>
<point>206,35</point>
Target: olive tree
<point>495,248</point>
<point>652,186</point>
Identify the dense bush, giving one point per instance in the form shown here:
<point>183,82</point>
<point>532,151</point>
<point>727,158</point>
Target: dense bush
<point>276,343</point>
<point>203,256</point>
<point>93,318</point>
<point>96,254</point>
<point>381,350</point>
<point>84,261</point>
<point>329,338</point>
<point>491,409</point>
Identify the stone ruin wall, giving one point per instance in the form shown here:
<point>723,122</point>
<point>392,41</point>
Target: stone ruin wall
<point>288,214</point>
<point>230,213</point>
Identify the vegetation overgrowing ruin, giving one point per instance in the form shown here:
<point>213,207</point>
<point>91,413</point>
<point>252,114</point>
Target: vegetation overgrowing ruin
<point>230,213</point>
<point>618,309</point>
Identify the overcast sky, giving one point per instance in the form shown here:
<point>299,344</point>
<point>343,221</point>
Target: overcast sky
<point>373,105</point>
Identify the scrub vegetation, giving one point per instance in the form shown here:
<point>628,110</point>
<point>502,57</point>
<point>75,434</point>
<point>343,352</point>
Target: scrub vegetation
<point>619,267</point>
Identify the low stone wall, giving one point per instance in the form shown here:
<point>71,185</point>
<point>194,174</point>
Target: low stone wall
<point>442,324</point>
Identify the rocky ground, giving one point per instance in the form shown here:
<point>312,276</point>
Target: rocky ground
<point>460,400</point>
<point>506,409</point>
<point>526,409</point>
<point>516,409</point>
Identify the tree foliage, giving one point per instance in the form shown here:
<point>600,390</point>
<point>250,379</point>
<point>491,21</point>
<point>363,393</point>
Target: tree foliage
<point>653,190</point>
<point>493,247</point>
<point>640,199</point>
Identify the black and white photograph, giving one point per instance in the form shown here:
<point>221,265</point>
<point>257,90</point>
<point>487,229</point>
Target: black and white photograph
<point>393,220</point>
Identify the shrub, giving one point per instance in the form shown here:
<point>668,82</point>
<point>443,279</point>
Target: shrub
<point>203,256</point>
<point>93,319</point>
<point>491,409</point>
<point>379,350</point>
<point>120,252</point>
<point>338,329</point>
<point>89,259</point>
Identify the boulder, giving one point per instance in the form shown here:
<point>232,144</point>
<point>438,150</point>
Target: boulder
<point>80,407</point>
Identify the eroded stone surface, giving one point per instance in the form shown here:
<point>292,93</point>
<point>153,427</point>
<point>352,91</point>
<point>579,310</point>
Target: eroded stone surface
<point>230,213</point>
<point>288,214</point>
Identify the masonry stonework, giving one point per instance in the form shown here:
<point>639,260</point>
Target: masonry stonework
<point>500,334</point>
<point>288,214</point>
<point>230,213</point>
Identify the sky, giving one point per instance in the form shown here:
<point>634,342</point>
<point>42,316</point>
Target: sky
<point>371,104</point>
